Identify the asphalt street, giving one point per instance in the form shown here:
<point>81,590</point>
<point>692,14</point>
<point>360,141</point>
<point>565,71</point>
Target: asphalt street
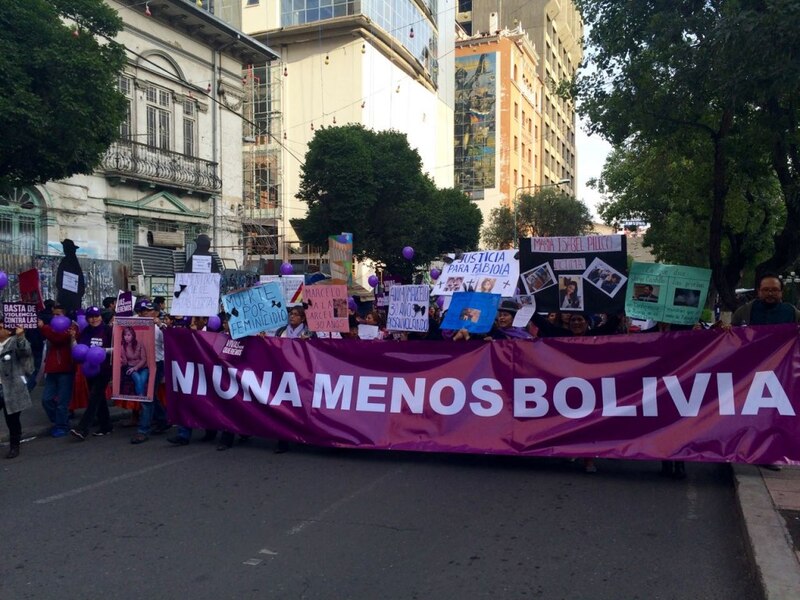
<point>104,518</point>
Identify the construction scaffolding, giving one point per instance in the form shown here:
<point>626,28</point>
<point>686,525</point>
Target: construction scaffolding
<point>262,219</point>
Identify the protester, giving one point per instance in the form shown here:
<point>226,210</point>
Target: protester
<point>297,327</point>
<point>16,364</point>
<point>109,308</point>
<point>96,334</point>
<point>503,328</point>
<point>59,375</point>
<point>767,309</point>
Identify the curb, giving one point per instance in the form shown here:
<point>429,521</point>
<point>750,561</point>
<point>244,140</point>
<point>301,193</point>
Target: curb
<point>770,546</point>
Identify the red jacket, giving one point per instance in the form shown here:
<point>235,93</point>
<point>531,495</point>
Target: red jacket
<point>58,358</point>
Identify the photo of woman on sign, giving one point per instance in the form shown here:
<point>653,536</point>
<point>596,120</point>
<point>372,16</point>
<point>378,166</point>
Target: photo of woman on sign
<point>133,361</point>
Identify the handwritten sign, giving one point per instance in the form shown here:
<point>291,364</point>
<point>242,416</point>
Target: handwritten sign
<point>491,271</point>
<point>201,263</point>
<point>408,308</point>
<point>69,282</point>
<point>326,307</point>
<point>18,314</point>
<point>196,294</point>
<point>668,293</point>
<point>292,287</point>
<point>255,309</point>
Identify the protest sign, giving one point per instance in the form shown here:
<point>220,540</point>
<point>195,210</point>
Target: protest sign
<point>408,308</point>
<point>582,273</point>
<point>125,303</point>
<point>473,311</point>
<point>30,288</point>
<point>134,359</point>
<point>668,293</point>
<point>368,332</point>
<point>19,314</point>
<point>255,309</point>
<point>326,307</point>
<point>492,271</point>
<point>340,257</point>
<point>292,287</point>
<point>196,294</point>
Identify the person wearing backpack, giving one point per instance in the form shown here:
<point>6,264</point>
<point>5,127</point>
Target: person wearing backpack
<point>16,365</point>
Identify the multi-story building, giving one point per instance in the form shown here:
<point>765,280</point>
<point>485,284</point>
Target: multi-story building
<point>176,170</point>
<point>498,116</point>
<point>556,29</point>
<point>385,64</point>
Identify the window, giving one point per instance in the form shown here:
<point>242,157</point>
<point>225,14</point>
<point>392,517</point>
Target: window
<point>126,232</point>
<point>516,177</point>
<point>516,110</point>
<point>20,216</point>
<point>125,85</point>
<point>516,143</point>
<point>159,118</point>
<point>189,128</point>
<point>252,2</point>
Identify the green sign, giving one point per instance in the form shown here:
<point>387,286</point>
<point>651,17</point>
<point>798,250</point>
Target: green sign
<point>668,293</point>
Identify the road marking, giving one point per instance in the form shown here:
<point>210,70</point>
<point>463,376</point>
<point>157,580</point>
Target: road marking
<point>116,479</point>
<point>325,511</point>
<point>252,562</point>
<point>267,551</point>
<point>691,497</point>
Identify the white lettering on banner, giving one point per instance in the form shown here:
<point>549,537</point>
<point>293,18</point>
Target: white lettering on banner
<point>572,397</point>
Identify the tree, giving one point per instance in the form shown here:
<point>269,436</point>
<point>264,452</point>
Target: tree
<point>371,184</point>
<point>548,212</point>
<point>59,107</point>
<point>714,75</point>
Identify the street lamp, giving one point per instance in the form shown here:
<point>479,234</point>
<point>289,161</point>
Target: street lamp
<point>536,187</point>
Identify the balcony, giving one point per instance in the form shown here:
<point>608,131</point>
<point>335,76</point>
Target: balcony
<point>128,160</point>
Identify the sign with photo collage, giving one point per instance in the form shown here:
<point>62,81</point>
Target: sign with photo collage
<point>575,274</point>
<point>669,293</point>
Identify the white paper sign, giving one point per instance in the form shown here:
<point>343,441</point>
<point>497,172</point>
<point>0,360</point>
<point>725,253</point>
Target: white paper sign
<point>368,332</point>
<point>490,271</point>
<point>196,294</point>
<point>408,308</point>
<point>69,282</point>
<point>201,263</point>
<point>524,315</point>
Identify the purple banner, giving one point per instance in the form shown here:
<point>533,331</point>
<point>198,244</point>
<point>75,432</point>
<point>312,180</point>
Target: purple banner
<point>698,395</point>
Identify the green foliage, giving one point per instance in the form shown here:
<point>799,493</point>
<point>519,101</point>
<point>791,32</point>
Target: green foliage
<point>371,184</point>
<point>700,100</point>
<point>59,107</point>
<point>548,212</point>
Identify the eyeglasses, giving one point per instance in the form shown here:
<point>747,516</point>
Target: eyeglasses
<point>770,290</point>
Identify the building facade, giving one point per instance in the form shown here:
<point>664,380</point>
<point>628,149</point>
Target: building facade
<point>385,64</point>
<point>556,30</point>
<point>498,117</point>
<point>176,169</point>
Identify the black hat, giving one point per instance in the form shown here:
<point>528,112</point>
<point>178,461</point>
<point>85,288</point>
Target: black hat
<point>68,243</point>
<point>508,306</point>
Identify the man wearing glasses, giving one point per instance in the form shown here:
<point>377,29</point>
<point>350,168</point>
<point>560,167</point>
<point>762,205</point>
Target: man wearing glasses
<point>768,308</point>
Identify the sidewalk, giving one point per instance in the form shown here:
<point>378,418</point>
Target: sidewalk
<point>769,503</point>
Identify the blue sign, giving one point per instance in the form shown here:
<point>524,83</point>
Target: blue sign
<point>255,309</point>
<point>473,311</point>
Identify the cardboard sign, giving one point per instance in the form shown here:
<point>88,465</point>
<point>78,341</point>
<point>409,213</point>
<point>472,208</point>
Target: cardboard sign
<point>667,293</point>
<point>575,274</point>
<point>408,308</point>
<point>492,271</point>
<point>326,307</point>
<point>255,309</point>
<point>19,314</point>
<point>196,294</point>
<point>473,311</point>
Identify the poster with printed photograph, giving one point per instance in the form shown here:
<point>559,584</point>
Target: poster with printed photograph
<point>473,311</point>
<point>134,359</point>
<point>326,307</point>
<point>669,293</point>
<point>564,273</point>
<point>491,272</point>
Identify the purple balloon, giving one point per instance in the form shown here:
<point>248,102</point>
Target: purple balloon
<point>60,323</point>
<point>214,323</point>
<point>287,269</point>
<point>96,355</point>
<point>3,279</point>
<point>435,273</point>
<point>79,352</point>
<point>440,301</point>
<point>81,321</point>
<point>408,253</point>
<point>373,281</point>
<point>90,369</point>
<point>351,304</point>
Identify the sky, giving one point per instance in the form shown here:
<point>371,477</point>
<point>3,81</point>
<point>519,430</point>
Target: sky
<point>592,152</point>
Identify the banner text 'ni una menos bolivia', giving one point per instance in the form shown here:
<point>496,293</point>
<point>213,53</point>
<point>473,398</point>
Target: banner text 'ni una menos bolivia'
<point>696,395</point>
